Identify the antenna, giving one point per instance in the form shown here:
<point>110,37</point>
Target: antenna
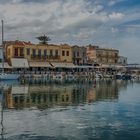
<point>2,38</point>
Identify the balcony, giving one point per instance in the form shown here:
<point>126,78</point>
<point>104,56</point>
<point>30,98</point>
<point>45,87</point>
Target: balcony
<point>19,56</point>
<point>44,57</point>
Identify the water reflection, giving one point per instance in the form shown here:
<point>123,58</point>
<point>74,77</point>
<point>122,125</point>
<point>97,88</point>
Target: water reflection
<point>102,110</point>
<point>46,96</point>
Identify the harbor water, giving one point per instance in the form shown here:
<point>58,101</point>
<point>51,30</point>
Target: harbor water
<point>105,110</point>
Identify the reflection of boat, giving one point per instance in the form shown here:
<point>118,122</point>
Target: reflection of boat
<point>98,76</point>
<point>70,78</point>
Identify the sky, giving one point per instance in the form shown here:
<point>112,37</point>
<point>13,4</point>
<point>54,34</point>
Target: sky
<point>106,23</point>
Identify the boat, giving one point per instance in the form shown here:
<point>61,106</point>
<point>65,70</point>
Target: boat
<point>70,78</point>
<point>120,76</point>
<point>3,74</point>
<point>58,78</point>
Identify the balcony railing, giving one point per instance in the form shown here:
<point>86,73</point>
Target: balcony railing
<point>44,57</point>
<point>107,56</point>
<point>19,56</point>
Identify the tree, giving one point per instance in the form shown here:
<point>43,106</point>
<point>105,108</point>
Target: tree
<point>43,39</point>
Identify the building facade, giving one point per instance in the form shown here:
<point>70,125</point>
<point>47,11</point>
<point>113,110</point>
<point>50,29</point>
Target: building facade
<point>53,53</point>
<point>102,55</point>
<point>79,55</point>
<point>122,60</point>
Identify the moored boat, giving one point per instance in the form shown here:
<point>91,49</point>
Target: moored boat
<point>5,76</point>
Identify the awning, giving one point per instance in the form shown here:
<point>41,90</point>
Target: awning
<point>6,65</point>
<point>19,63</point>
<point>84,66</point>
<point>39,64</point>
<point>62,65</point>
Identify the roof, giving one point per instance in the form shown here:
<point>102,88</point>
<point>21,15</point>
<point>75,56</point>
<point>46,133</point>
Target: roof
<point>17,42</point>
<point>19,63</point>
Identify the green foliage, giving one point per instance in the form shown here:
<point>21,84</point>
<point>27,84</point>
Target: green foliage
<point>43,39</point>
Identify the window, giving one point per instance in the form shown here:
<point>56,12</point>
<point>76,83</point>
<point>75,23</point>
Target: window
<point>34,52</point>
<point>116,55</point>
<point>77,54</point>
<point>45,52</point>
<point>56,52</point>
<point>21,52</point>
<point>63,98</point>
<point>39,52</point>
<point>51,52</point>
<point>67,53</point>
<point>63,53</point>
<point>16,51</point>
<point>83,54</point>
<point>74,54</point>
<point>28,51</point>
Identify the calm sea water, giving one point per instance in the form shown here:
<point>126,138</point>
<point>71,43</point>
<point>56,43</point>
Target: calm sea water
<point>83,111</point>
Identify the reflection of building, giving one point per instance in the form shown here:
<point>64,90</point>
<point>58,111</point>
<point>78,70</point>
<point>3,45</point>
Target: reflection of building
<point>44,96</point>
<point>107,90</point>
<point>102,55</point>
<point>79,55</point>
<point>40,96</point>
<point>91,95</point>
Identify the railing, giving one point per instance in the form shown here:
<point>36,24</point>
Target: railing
<point>21,56</point>
<point>44,57</point>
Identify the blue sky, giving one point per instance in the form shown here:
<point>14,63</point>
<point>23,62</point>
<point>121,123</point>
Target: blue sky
<point>107,23</point>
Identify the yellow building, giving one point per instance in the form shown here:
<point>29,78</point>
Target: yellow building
<point>56,53</point>
<point>40,54</point>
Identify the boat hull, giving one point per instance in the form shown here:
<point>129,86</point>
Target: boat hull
<point>9,76</point>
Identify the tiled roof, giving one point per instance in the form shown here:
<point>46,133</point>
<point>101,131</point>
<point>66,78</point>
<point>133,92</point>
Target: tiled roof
<point>17,42</point>
<point>22,43</point>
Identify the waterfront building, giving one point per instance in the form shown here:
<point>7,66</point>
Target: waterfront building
<point>79,55</point>
<point>98,55</point>
<point>38,55</point>
<point>122,60</point>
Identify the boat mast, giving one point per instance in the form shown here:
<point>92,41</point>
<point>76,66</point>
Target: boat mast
<point>2,47</point>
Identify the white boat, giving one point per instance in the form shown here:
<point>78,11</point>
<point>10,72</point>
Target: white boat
<point>70,78</point>
<point>58,78</point>
<point>8,76</point>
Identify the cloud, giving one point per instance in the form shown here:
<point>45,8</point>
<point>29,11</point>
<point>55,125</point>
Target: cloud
<point>70,21</point>
<point>113,2</point>
<point>116,16</point>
